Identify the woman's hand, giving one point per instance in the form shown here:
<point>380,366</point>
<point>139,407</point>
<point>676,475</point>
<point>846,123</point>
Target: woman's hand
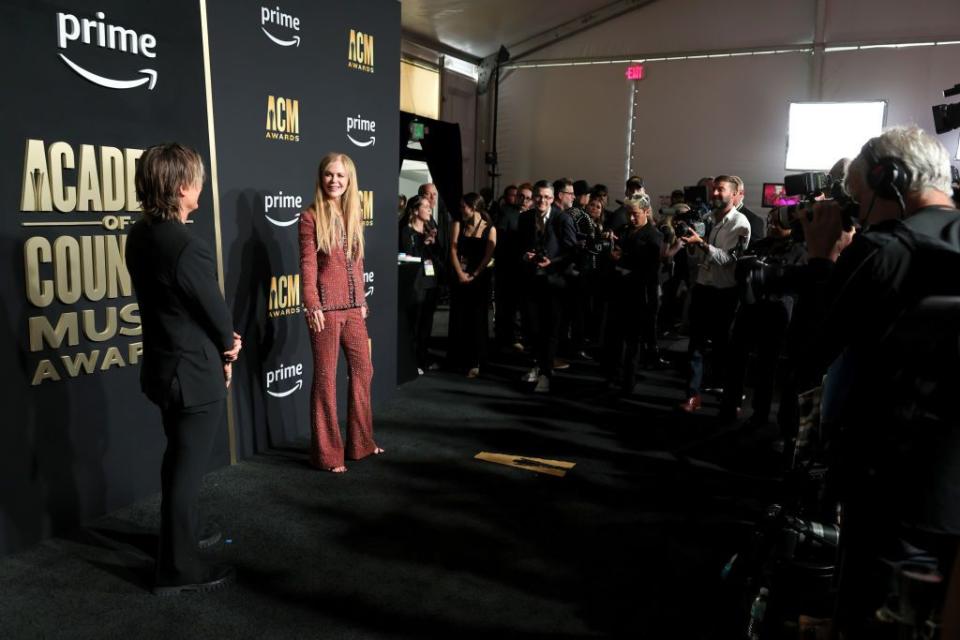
<point>315,320</point>
<point>465,278</point>
<point>364,311</point>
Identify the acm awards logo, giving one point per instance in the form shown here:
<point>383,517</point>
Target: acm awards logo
<point>366,207</point>
<point>284,297</point>
<point>283,119</point>
<point>362,128</point>
<point>286,204</point>
<point>278,20</point>
<point>99,33</point>
<point>360,51</point>
<point>285,380</point>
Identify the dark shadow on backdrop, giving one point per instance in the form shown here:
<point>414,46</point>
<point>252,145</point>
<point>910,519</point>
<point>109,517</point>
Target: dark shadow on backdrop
<point>251,265</point>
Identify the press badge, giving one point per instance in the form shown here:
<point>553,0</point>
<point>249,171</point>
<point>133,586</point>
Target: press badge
<point>428,268</point>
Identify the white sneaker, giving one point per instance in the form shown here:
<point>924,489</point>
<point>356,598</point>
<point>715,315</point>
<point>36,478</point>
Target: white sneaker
<point>543,385</point>
<point>531,376</point>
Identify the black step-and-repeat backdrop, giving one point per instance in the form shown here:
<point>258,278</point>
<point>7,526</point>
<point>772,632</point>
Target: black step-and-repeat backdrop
<point>291,83</point>
<point>89,85</point>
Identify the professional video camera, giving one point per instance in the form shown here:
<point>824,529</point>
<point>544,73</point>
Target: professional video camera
<point>811,187</point>
<point>946,117</point>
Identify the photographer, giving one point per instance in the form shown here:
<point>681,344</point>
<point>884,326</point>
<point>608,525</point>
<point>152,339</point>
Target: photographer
<point>549,240</point>
<point>635,297</point>
<point>767,296</point>
<point>714,296</point>
<point>911,231</point>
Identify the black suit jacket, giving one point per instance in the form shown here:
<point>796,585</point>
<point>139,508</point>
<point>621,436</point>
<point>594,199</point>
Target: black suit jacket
<point>186,323</point>
<point>557,242</point>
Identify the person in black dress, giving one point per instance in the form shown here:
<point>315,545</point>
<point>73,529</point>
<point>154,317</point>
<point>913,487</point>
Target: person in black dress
<point>418,238</point>
<point>473,240</point>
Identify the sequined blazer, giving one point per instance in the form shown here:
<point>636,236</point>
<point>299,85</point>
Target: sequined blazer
<point>330,282</point>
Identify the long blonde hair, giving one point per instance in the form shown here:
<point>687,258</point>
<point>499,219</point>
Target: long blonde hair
<point>328,228</point>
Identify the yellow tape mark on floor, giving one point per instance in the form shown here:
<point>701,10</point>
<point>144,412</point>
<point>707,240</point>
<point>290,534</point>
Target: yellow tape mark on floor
<point>556,468</point>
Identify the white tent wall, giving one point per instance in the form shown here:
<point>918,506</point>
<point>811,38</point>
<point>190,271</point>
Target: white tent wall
<point>705,117</point>
<point>724,115</point>
<point>560,122</point>
<point>910,79</point>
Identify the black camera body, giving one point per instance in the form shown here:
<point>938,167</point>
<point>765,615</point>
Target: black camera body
<point>812,186</point>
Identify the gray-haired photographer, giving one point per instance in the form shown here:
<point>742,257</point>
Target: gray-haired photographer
<point>888,424</point>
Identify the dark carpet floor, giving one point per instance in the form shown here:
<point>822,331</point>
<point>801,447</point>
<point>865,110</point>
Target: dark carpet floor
<point>426,541</point>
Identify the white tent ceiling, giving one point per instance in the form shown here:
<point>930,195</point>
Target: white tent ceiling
<point>479,27</point>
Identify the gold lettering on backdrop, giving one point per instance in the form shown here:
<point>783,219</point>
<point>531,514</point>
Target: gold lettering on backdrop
<point>81,361</point>
<point>89,197</point>
<point>284,296</point>
<point>73,269</point>
<point>41,331</point>
<point>61,157</point>
<point>87,362</point>
<point>112,359</point>
<point>93,266</point>
<point>131,315</point>
<point>35,192</point>
<point>104,181</point>
<point>366,207</point>
<point>45,371</point>
<point>360,51</point>
<point>111,168</point>
<point>283,119</point>
<point>35,251</point>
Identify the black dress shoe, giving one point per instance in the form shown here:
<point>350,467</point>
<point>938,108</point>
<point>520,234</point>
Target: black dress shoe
<point>209,538</point>
<point>216,578</point>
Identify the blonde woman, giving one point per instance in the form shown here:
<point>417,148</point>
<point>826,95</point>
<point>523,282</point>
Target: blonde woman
<point>331,266</point>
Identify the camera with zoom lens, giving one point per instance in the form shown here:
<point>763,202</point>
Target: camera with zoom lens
<point>811,187</point>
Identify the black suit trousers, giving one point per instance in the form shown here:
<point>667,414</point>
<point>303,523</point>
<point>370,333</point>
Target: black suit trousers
<point>190,433</point>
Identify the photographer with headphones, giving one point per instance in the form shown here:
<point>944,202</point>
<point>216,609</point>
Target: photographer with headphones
<point>906,251</point>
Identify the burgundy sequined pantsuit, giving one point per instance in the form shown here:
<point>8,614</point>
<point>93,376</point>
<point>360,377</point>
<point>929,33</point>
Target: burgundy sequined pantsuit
<point>346,329</point>
<point>333,283</point>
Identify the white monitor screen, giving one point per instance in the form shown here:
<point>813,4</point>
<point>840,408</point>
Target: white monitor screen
<point>820,133</point>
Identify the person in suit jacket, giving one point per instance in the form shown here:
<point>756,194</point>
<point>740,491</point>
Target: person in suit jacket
<point>331,264</point>
<point>188,347</point>
<point>550,242</point>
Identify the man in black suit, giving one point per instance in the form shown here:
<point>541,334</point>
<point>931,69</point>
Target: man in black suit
<point>189,345</point>
<point>550,242</point>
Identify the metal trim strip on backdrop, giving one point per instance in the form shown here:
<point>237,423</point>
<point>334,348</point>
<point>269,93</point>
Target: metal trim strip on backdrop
<point>215,188</point>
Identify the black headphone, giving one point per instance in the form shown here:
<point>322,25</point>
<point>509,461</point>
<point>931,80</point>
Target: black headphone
<point>889,177</point>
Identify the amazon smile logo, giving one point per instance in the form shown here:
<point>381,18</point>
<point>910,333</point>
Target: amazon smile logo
<point>276,18</point>
<point>288,380</point>
<point>99,33</point>
<point>292,205</point>
<point>361,128</point>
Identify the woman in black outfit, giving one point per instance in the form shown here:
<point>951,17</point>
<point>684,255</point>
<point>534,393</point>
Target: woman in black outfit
<point>636,298</point>
<point>418,238</point>
<point>471,249</point>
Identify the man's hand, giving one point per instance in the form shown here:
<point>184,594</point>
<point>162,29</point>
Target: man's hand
<point>315,320</point>
<point>234,352</point>
<point>824,232</point>
<point>543,264</point>
<point>529,256</point>
<point>364,311</point>
<point>693,238</point>
<point>464,277</point>
<point>227,373</point>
